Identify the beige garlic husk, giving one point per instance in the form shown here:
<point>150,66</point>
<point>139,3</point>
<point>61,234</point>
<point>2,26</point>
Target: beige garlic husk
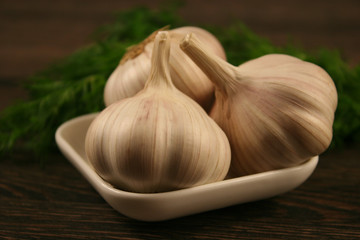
<point>277,111</point>
<point>160,139</point>
<point>130,75</point>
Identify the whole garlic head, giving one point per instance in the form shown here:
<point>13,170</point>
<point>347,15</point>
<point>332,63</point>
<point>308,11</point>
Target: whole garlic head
<point>131,74</point>
<point>277,111</point>
<point>160,139</point>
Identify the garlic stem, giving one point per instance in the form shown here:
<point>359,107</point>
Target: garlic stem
<point>135,50</point>
<point>221,73</point>
<point>160,73</point>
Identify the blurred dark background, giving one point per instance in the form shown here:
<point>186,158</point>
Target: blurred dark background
<point>34,34</point>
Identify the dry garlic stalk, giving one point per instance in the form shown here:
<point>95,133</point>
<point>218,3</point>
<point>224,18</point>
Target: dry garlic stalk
<point>276,110</point>
<point>160,139</point>
<point>131,74</point>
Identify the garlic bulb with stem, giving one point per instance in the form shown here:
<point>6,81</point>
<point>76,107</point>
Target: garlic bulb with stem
<point>160,139</point>
<point>276,110</point>
<point>131,74</point>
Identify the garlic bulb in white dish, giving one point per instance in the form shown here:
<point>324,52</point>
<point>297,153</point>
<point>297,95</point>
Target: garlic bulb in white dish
<point>277,110</point>
<point>160,139</point>
<point>131,74</point>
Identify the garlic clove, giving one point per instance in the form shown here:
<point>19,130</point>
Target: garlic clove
<point>276,110</point>
<point>131,74</point>
<point>158,140</point>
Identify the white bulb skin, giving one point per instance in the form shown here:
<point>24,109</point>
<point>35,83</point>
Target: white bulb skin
<point>130,75</point>
<point>276,110</point>
<point>160,139</point>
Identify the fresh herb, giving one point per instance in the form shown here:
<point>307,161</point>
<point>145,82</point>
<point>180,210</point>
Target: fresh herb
<point>74,86</point>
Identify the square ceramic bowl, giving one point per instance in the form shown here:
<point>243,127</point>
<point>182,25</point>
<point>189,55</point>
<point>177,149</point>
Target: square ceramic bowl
<point>70,138</point>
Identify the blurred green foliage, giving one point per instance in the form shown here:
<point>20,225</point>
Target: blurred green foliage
<point>74,85</point>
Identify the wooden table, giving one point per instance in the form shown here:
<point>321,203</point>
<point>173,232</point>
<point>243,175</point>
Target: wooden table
<point>55,201</point>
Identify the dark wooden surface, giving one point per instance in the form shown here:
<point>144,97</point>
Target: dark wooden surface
<point>55,201</point>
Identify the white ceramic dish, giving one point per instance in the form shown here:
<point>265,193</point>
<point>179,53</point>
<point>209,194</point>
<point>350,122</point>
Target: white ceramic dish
<point>70,138</point>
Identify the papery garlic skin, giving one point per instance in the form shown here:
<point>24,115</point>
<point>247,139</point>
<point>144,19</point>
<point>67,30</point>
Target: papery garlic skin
<point>277,111</point>
<point>131,74</point>
<point>159,140</point>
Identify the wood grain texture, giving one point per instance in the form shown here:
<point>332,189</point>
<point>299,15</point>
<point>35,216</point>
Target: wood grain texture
<point>56,202</point>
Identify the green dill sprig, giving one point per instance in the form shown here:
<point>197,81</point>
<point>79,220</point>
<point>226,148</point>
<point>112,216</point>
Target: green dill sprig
<point>74,86</point>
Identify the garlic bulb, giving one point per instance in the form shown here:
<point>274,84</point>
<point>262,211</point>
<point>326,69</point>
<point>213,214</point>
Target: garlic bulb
<point>131,74</point>
<point>160,139</point>
<point>277,111</point>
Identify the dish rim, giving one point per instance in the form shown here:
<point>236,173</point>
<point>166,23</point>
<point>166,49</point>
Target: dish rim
<point>159,206</point>
<point>108,186</point>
